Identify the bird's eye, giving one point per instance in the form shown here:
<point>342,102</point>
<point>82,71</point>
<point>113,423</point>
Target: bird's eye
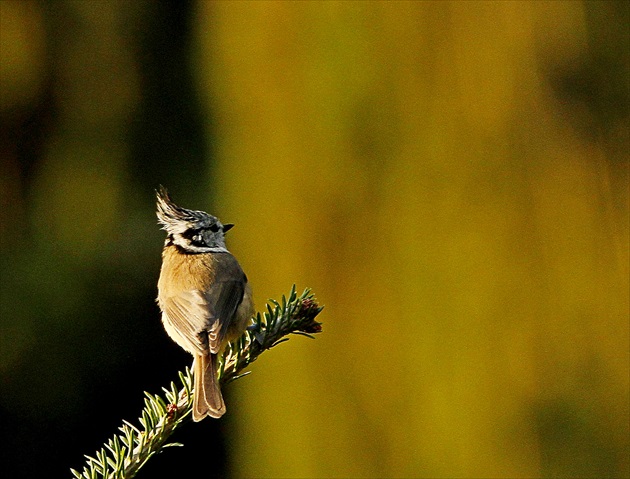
<point>197,240</point>
<point>195,237</point>
<point>214,227</point>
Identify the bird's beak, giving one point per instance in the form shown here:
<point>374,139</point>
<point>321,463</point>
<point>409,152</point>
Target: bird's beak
<point>227,227</point>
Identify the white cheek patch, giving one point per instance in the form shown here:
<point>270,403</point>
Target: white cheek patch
<point>181,242</point>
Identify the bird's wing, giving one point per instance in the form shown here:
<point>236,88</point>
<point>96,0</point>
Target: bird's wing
<point>225,295</point>
<point>199,320</point>
<point>187,318</point>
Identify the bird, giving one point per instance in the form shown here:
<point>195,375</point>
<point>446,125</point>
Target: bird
<point>203,294</point>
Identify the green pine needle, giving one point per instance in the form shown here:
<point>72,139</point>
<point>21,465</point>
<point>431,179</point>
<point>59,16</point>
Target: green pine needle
<point>124,454</point>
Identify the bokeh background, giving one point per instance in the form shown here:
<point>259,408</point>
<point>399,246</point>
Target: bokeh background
<point>451,179</point>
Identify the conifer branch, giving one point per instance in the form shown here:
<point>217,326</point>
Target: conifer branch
<point>123,455</point>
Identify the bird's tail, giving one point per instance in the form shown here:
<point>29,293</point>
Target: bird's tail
<point>207,400</point>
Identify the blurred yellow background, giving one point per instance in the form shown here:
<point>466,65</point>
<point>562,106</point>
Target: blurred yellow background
<point>408,162</point>
<point>450,178</point>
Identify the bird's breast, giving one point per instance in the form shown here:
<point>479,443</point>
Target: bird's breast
<point>185,272</point>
